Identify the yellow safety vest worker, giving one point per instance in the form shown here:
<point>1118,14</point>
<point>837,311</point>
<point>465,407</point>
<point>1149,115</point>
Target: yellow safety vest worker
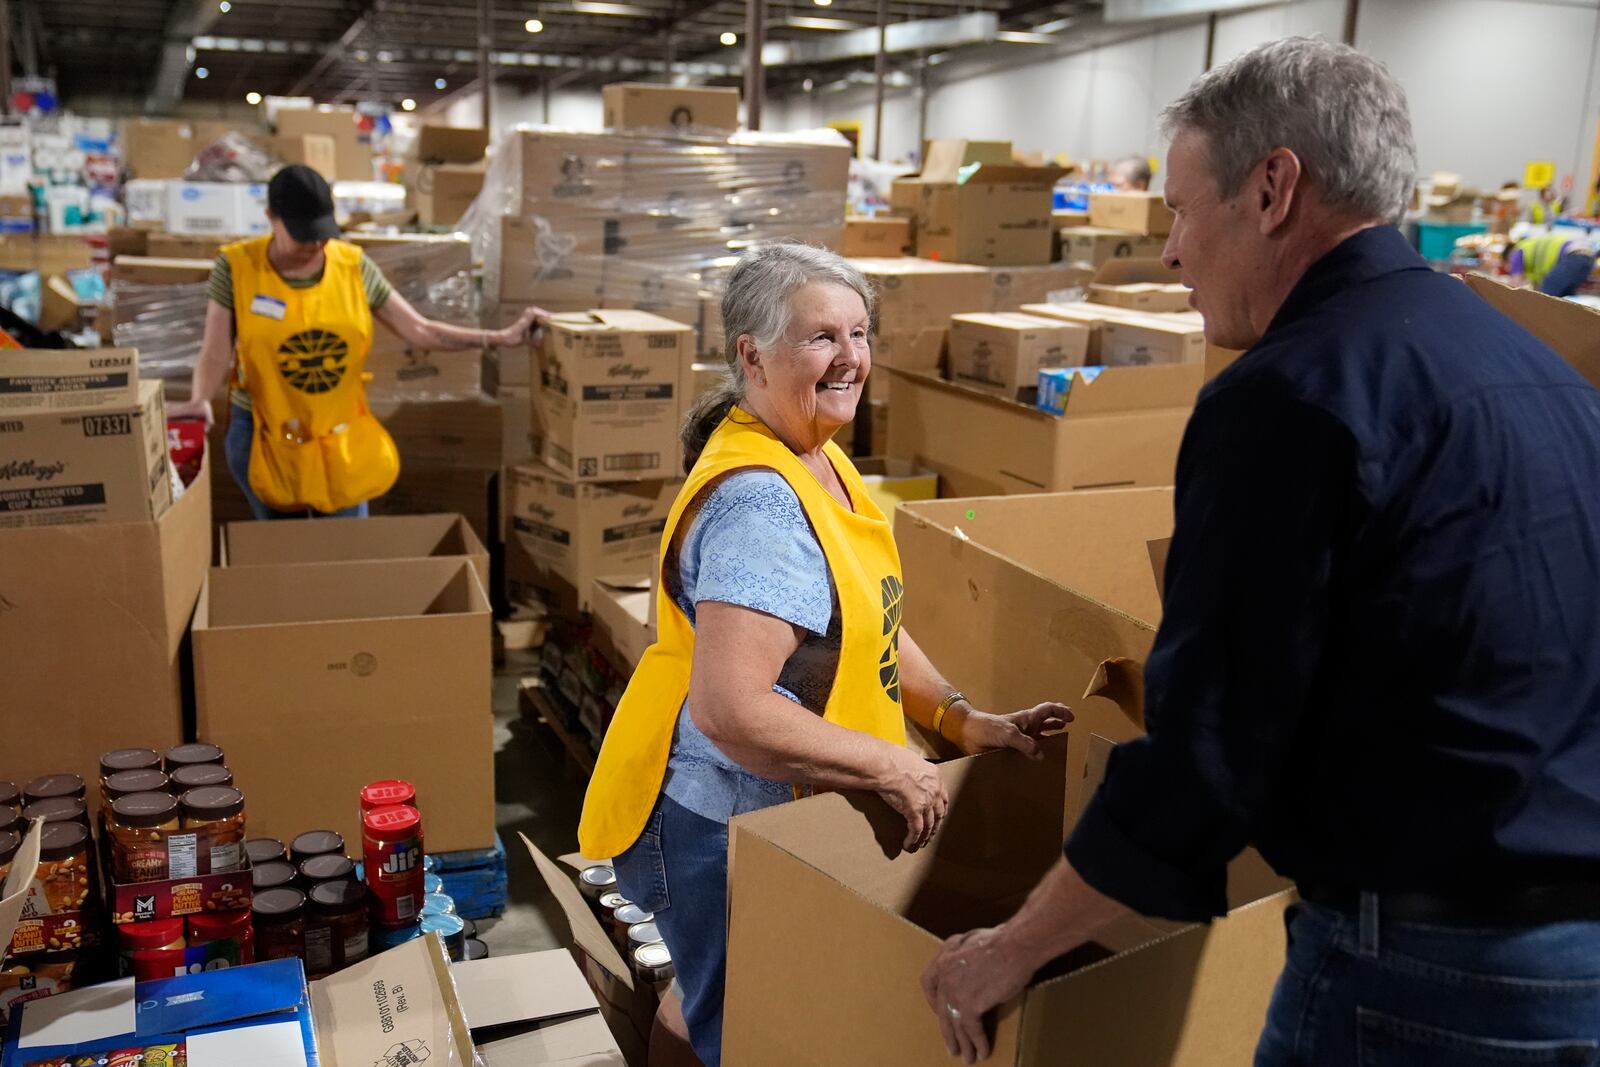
<point>1540,255</point>
<point>865,565</point>
<point>302,357</point>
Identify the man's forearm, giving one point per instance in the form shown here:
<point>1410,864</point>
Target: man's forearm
<point>1061,913</point>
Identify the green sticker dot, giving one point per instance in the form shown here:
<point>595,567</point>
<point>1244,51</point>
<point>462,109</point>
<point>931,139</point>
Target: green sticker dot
<point>971,515</point>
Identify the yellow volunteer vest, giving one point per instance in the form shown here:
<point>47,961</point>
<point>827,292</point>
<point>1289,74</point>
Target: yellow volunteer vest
<point>860,549</point>
<point>1540,256</point>
<point>302,354</point>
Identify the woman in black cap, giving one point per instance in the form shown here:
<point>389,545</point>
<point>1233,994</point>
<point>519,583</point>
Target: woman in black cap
<point>297,309</point>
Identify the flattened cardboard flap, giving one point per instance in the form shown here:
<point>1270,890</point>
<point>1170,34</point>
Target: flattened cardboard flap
<point>1135,272</point>
<point>946,157</point>
<point>1158,563</point>
<point>1120,681</point>
<point>1570,328</point>
<point>587,933</point>
<point>1118,389</point>
<point>398,1002</point>
<point>527,987</point>
<point>991,174</point>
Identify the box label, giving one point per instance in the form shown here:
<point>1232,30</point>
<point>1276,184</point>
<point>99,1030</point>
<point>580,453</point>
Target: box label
<point>613,393</point>
<point>542,531</point>
<point>633,531</point>
<point>41,498</point>
<point>74,384</point>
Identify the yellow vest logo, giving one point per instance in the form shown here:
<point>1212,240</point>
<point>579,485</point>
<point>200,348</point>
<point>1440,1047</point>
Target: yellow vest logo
<point>313,361</point>
<point>889,662</point>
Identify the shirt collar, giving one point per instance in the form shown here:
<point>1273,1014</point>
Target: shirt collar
<point>1364,255</point>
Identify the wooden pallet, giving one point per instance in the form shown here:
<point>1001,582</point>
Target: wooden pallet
<point>535,703</point>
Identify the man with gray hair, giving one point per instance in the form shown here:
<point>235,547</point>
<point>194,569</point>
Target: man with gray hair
<point>1131,174</point>
<point>1379,661</point>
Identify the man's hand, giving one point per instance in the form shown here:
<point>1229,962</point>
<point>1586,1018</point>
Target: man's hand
<point>192,409</point>
<point>526,330</point>
<point>979,731</point>
<point>972,973</point>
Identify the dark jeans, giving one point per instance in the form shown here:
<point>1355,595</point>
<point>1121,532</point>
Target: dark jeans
<point>679,869</point>
<point>1570,272</point>
<point>1357,992</point>
<point>237,445</point>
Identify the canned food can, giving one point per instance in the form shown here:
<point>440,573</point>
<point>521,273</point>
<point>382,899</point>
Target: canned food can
<point>630,914</point>
<point>472,927</point>
<point>387,937</point>
<point>595,881</point>
<point>391,840</point>
<point>475,950</point>
<point>450,929</point>
<point>644,933</point>
<point>653,963</point>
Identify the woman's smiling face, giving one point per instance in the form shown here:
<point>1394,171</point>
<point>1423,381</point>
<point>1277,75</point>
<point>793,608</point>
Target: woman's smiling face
<point>811,381</point>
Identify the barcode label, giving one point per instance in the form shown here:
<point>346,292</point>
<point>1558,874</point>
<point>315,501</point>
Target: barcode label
<point>319,949</point>
<point>633,461</point>
<point>183,855</point>
<point>227,857</point>
<point>405,906</point>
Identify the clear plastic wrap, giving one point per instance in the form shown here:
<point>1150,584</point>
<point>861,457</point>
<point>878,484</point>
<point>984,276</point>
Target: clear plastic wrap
<point>573,220</point>
<point>166,322</point>
<point>233,157</point>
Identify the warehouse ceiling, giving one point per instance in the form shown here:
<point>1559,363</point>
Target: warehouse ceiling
<point>154,51</point>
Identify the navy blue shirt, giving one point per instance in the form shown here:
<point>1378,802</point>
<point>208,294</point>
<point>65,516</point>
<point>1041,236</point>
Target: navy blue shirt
<point>1379,659</point>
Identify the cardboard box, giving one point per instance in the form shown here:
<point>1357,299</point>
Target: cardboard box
<point>153,270</point>
<point>384,1010</point>
<point>508,368</point>
<point>1094,317</point>
<point>426,487</point>
<point>1139,285</point>
<point>107,464</point>
<point>459,433</point>
<point>1569,328</point>
<point>574,532</point>
<point>996,215</point>
<point>634,105</point>
<point>1003,352</point>
<point>1015,286</point>
<point>534,1008</point>
<point>892,482</point>
<point>520,441</point>
<point>57,379</point>
<point>97,620</point>
<point>905,194</point>
<point>319,151</point>
<point>1124,431</point>
<point>281,541</point>
<point>442,193</point>
<point>402,372</point>
<point>612,394</point>
<point>180,246</point>
<point>1140,344</point>
<point>450,144</point>
<point>158,148</point>
<point>53,254</point>
<point>623,627</point>
<point>429,270</point>
<point>944,157</point>
<point>915,294</point>
<point>886,236</point>
<point>352,154</point>
<point>554,263</point>
<point>1094,246</point>
<point>1135,212</point>
<point>862,919</point>
<point>217,208</point>
<point>554,173</point>
<point>401,648</point>
<point>60,308</point>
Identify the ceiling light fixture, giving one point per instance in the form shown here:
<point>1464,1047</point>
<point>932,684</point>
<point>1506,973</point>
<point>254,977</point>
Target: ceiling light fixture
<point>811,22</point>
<point>202,73</point>
<point>252,98</point>
<point>224,7</point>
<point>594,7</point>
<point>533,26</point>
<point>808,85</point>
<point>729,38</point>
<point>408,104</point>
<point>1020,37</point>
<point>1055,26</point>
<point>439,83</point>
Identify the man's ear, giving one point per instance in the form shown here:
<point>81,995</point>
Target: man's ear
<point>1276,183</point>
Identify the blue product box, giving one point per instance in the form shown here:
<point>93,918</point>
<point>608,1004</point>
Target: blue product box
<point>1055,383</point>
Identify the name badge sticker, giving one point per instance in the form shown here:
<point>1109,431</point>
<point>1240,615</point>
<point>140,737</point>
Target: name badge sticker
<point>269,306</point>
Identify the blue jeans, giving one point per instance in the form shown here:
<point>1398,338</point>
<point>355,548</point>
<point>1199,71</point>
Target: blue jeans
<point>237,445</point>
<point>1570,272</point>
<point>1357,992</point>
<point>679,869</point>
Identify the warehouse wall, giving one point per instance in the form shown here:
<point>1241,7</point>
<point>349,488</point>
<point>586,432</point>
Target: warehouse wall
<point>1477,109</point>
<point>515,104</point>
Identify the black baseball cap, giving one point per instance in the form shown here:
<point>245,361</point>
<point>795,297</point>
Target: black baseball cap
<point>301,198</point>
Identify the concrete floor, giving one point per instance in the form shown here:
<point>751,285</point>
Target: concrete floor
<point>538,792</point>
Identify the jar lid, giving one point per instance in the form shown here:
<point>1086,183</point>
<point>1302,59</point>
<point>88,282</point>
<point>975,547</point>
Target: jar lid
<point>392,819</point>
<point>271,875</point>
<point>388,791</point>
<point>140,810</point>
<point>183,755</point>
<point>643,933</point>
<point>613,901</point>
<point>327,868</point>
<point>339,896</point>
<point>630,914</point>
<point>129,759</point>
<point>155,934</point>
<point>123,783</point>
<point>10,794</point>
<point>264,850</point>
<point>315,843</point>
<point>63,839</point>
<point>11,818</point>
<point>196,775</point>
<point>475,950</point>
<point>212,803</point>
<point>601,874</point>
<point>57,809</point>
<point>9,843</point>
<point>281,903</point>
<point>472,927</point>
<point>218,924</point>
<point>652,954</point>
<point>54,785</point>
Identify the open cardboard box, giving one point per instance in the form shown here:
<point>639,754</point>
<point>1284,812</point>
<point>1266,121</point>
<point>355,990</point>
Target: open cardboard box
<point>1123,430</point>
<point>396,1008</point>
<point>1570,328</point>
<point>534,1008</point>
<point>1146,285</point>
<point>835,980</point>
<point>340,540</point>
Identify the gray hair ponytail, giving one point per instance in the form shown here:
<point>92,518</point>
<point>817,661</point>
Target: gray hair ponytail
<point>756,303</point>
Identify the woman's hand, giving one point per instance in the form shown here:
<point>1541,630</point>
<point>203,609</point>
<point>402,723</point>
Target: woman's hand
<point>525,330</point>
<point>912,786</point>
<point>192,409</point>
<point>978,731</point>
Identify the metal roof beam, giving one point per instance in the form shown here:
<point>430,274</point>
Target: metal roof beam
<point>187,20</point>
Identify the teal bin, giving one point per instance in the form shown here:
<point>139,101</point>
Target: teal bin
<point>1436,240</point>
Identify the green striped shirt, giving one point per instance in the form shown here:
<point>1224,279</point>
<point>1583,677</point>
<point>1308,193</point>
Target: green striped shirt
<point>220,291</point>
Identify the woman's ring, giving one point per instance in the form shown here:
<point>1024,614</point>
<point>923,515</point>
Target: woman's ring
<point>951,1008</point>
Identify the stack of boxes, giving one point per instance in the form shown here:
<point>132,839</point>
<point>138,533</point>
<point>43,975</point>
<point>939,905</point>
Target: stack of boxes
<point>445,173</point>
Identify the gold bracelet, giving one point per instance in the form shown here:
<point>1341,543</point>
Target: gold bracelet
<point>944,706</point>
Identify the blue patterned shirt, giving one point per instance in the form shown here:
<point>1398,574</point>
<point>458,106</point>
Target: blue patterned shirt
<point>748,542</point>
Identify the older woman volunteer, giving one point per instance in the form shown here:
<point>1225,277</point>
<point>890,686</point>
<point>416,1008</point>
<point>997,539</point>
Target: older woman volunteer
<point>780,627</point>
